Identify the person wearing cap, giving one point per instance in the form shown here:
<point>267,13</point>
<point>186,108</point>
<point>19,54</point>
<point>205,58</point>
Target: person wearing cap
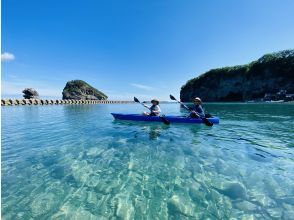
<point>154,109</point>
<point>197,110</point>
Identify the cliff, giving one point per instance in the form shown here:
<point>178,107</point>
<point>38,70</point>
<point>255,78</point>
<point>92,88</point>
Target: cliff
<point>269,74</point>
<point>80,90</point>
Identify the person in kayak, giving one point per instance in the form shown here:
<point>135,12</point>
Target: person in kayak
<point>197,110</point>
<point>154,109</point>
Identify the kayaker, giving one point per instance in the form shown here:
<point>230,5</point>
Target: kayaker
<point>154,109</point>
<point>197,110</point>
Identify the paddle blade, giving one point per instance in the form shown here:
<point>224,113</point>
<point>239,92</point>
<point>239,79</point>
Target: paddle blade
<point>172,98</point>
<point>207,122</point>
<point>164,120</point>
<point>136,100</point>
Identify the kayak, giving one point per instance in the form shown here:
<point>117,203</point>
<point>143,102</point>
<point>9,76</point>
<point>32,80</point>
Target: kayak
<point>172,119</point>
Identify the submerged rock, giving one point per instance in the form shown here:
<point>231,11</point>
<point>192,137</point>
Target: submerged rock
<point>80,90</point>
<point>275,213</point>
<point>246,206</point>
<point>125,209</point>
<point>182,205</point>
<point>233,190</point>
<point>30,93</point>
<point>42,204</point>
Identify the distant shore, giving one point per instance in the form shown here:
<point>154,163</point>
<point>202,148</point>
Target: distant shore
<point>17,102</point>
<point>9,102</point>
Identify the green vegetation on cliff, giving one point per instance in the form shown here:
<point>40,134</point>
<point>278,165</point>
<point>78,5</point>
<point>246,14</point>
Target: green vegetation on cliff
<point>269,74</point>
<point>79,89</point>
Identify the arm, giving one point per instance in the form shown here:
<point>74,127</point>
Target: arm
<point>157,110</point>
<point>146,106</point>
<point>201,111</point>
<point>194,112</point>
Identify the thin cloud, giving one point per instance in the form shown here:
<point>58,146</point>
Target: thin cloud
<point>7,57</point>
<point>144,87</point>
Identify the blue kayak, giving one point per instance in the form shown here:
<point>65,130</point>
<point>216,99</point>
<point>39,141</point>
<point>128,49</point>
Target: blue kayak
<point>172,119</point>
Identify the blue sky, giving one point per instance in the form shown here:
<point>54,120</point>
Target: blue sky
<point>134,48</point>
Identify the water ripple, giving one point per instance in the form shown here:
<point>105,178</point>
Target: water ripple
<point>76,162</point>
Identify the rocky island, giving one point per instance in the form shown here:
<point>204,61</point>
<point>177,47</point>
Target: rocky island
<point>80,90</point>
<point>30,93</point>
<point>269,74</point>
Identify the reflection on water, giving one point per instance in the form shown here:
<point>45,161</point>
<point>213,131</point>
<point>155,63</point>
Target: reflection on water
<point>76,162</point>
<point>152,129</point>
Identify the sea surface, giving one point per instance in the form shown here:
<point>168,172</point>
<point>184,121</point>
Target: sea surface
<point>77,162</point>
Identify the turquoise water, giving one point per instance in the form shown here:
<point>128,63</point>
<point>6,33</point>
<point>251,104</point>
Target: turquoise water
<point>76,162</point>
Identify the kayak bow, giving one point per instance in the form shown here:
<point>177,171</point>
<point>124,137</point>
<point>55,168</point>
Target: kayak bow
<point>174,119</point>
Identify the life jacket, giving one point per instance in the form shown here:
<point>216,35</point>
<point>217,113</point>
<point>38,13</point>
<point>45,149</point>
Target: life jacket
<point>154,108</point>
<point>199,110</point>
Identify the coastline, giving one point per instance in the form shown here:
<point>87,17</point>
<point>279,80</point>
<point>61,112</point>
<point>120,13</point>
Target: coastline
<point>17,102</point>
<point>10,102</point>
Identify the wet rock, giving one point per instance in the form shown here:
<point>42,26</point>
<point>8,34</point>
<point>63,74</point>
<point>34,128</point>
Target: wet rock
<point>146,193</point>
<point>222,167</point>
<point>248,217</point>
<point>182,205</point>
<point>216,211</point>
<point>157,209</point>
<point>140,207</point>
<point>30,93</point>
<point>43,204</point>
<point>288,212</point>
<point>92,198</point>
<point>246,206</point>
<point>84,214</point>
<point>233,190</point>
<point>81,175</point>
<point>125,209</point>
<point>93,180</point>
<point>105,186</point>
<point>131,165</point>
<point>59,172</point>
<point>95,152</point>
<point>198,196</point>
<point>274,188</point>
<point>286,199</point>
<point>263,200</point>
<point>187,174</point>
<point>275,213</point>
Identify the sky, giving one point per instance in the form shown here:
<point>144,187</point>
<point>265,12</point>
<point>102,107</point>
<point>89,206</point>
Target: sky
<point>141,48</point>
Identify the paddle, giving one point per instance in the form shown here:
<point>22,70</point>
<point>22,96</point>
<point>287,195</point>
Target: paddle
<point>164,120</point>
<point>205,120</point>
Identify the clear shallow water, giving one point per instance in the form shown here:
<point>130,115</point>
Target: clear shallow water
<point>76,162</point>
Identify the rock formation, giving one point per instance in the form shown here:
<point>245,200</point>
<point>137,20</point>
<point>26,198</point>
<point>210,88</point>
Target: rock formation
<point>269,74</point>
<point>80,90</point>
<point>30,93</point>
